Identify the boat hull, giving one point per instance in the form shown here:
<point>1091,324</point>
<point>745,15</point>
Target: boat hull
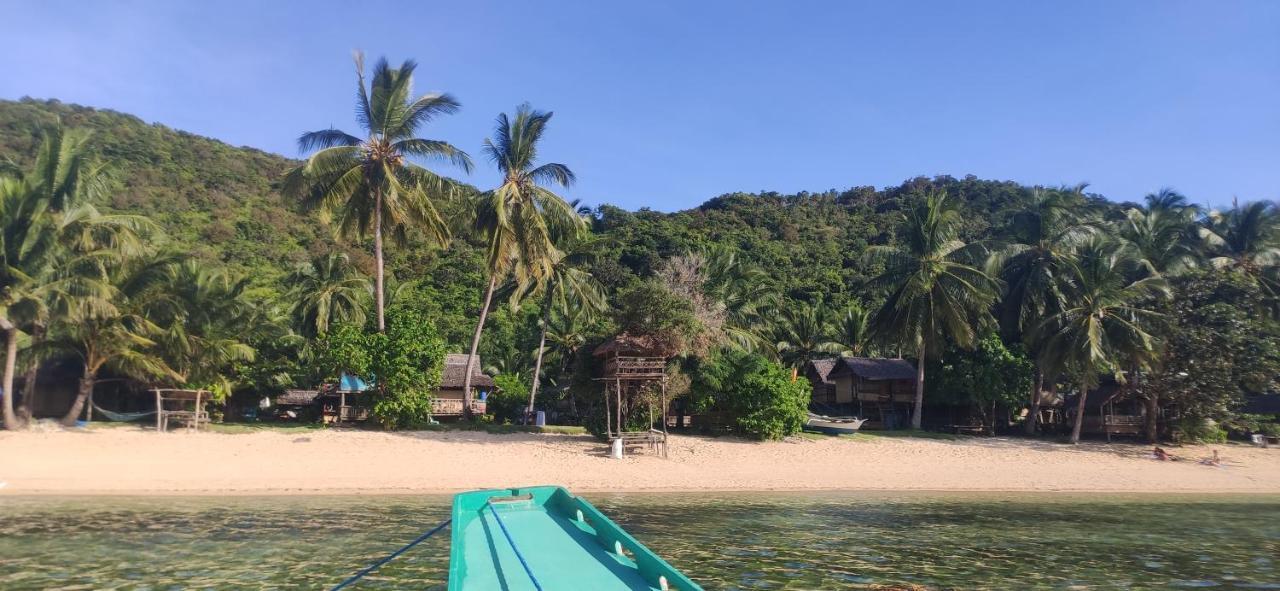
<point>834,427</point>
<point>507,538</point>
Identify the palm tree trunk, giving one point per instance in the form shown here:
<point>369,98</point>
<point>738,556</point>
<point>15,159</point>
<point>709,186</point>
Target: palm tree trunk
<point>87,380</point>
<point>537,364</point>
<point>1033,413</point>
<point>917,412</point>
<point>377,254</point>
<point>29,395</point>
<point>475,344</point>
<point>1152,423</point>
<point>1075,429</point>
<point>11,354</point>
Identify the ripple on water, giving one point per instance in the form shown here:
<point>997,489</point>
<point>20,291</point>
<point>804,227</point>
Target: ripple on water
<point>777,541</point>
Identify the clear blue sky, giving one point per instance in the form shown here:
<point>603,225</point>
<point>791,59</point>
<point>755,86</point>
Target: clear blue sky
<point>666,104</point>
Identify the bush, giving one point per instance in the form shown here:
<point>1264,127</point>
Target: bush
<point>1198,430</point>
<point>759,396</point>
<point>507,402</point>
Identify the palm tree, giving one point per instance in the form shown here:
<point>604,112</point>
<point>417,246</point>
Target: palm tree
<point>115,332</point>
<point>327,291</point>
<point>744,290</point>
<point>935,292</point>
<point>568,286</point>
<point>1033,267</point>
<point>1101,326</point>
<point>208,319</point>
<point>1245,237</point>
<point>370,184</point>
<point>853,330</point>
<point>802,335</point>
<point>519,218</point>
<point>1164,233</point>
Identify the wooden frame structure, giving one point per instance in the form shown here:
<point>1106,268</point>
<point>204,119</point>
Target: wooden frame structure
<point>186,406</point>
<point>630,365</point>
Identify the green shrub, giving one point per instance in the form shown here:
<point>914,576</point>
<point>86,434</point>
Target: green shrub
<point>759,395</point>
<point>1198,430</point>
<point>508,400</point>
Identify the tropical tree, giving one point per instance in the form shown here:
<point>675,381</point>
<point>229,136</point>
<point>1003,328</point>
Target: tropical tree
<point>1033,268</point>
<point>853,330</point>
<point>569,285</point>
<point>208,320</point>
<point>744,290</point>
<point>935,292</point>
<point>371,184</point>
<point>327,291</point>
<point>520,218</point>
<point>115,332</point>
<point>1164,233</point>
<point>1102,327</point>
<point>1246,237</point>
<point>802,334</point>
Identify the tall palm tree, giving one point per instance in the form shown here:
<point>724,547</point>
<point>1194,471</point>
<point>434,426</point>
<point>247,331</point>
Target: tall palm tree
<point>519,218</point>
<point>1033,267</point>
<point>935,291</point>
<point>370,184</point>
<point>853,330</point>
<point>568,286</point>
<point>1102,326</point>
<point>327,291</point>
<point>802,334</point>
<point>1245,237</point>
<point>1164,233</point>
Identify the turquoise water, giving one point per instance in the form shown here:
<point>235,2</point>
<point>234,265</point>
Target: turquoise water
<point>724,541</point>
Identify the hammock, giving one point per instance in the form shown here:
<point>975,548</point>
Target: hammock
<point>122,417</point>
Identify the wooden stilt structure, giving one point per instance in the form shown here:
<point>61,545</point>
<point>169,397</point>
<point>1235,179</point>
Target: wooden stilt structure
<point>632,365</point>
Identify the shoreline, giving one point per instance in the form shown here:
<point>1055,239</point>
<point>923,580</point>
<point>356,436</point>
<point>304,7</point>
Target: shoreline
<point>139,462</point>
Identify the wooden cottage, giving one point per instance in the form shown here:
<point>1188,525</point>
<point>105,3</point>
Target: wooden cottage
<point>634,366</point>
<point>880,390</point>
<point>448,397</point>
<point>1110,409</point>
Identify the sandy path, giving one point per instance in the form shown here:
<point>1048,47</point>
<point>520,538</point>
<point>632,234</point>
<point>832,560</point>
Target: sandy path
<point>139,461</point>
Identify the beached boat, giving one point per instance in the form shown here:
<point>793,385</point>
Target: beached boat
<point>834,425</point>
<point>542,538</point>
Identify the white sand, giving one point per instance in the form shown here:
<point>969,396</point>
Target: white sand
<point>130,461</point>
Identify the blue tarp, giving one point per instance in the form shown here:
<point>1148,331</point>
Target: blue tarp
<point>350,383</point>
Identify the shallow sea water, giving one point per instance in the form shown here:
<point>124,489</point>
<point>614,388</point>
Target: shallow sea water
<point>840,540</point>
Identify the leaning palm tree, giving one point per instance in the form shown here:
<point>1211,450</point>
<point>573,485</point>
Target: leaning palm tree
<point>935,291</point>
<point>1102,326</point>
<point>568,286</point>
<point>802,334</point>
<point>370,184</point>
<point>1033,268</point>
<point>519,218</point>
<point>327,291</point>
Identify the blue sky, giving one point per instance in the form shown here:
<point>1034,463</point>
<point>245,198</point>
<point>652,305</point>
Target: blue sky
<point>666,104</point>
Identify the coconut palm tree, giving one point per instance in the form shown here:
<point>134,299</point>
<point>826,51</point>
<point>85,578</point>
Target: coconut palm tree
<point>853,330</point>
<point>1245,237</point>
<point>208,319</point>
<point>935,291</point>
<point>1033,267</point>
<point>802,334</point>
<point>371,184</point>
<point>115,332</point>
<point>744,290</point>
<point>327,291</point>
<point>569,285</point>
<point>1102,326</point>
<point>1164,233</point>
<point>520,218</point>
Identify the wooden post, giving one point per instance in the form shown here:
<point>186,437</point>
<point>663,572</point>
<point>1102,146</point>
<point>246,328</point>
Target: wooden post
<point>619,409</point>
<point>664,415</point>
<point>608,420</point>
<point>159,409</point>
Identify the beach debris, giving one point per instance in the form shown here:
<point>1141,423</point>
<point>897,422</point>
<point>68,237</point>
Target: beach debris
<point>302,440</point>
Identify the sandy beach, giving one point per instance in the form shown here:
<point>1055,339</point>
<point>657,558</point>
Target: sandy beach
<point>136,461</point>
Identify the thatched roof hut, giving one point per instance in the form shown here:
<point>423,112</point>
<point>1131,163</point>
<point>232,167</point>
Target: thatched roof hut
<point>626,345</point>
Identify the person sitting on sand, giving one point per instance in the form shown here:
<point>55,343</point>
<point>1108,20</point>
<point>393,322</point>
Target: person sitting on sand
<point>1215,461</point>
<point>1162,455</point>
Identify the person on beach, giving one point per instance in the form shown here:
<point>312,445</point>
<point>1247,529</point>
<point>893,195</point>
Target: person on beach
<point>1162,455</point>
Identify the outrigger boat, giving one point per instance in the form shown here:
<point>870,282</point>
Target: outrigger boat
<point>542,538</point>
<point>834,425</point>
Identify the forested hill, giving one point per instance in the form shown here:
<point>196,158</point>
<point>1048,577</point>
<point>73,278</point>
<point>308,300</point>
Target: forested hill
<point>223,203</point>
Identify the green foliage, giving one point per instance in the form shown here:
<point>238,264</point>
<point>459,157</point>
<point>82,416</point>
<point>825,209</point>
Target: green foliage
<point>508,401</point>
<point>759,395</point>
<point>1198,430</point>
<point>989,373</point>
<point>650,308</point>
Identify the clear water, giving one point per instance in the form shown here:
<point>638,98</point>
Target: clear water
<point>735,541</point>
